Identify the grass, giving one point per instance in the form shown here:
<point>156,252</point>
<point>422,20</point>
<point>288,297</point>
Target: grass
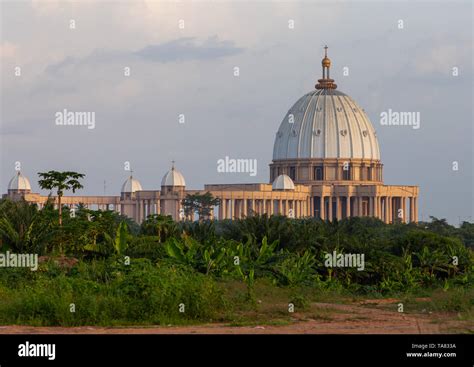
<point>105,293</point>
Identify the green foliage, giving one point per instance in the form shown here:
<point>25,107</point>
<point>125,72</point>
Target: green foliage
<point>200,204</point>
<point>289,252</point>
<point>61,181</point>
<point>107,292</point>
<point>161,226</point>
<point>296,269</point>
<point>24,228</point>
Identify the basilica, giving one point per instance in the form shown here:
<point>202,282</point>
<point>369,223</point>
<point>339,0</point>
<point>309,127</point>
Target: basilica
<point>326,164</point>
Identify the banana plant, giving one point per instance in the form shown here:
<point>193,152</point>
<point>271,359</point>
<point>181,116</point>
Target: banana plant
<point>249,280</point>
<point>184,251</point>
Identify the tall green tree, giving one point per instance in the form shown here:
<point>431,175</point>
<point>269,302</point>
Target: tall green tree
<point>202,204</point>
<point>61,181</point>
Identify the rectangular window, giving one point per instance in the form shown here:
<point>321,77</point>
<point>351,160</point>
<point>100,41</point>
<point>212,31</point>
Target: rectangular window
<point>346,173</point>
<point>292,173</point>
<point>318,173</point>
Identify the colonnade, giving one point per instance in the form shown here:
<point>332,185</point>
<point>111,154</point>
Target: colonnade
<point>387,208</point>
<point>240,208</point>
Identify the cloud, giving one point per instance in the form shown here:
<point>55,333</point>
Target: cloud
<point>181,49</point>
<point>440,56</point>
<point>185,49</point>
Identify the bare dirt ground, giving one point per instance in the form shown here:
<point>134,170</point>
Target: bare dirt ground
<point>362,318</point>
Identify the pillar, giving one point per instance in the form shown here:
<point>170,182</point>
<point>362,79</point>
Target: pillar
<point>415,208</point>
<point>330,216</point>
<point>404,208</point>
<point>322,213</point>
<point>338,208</point>
<point>390,209</point>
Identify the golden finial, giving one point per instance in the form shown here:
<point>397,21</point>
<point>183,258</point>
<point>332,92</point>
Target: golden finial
<point>326,82</point>
<point>326,61</point>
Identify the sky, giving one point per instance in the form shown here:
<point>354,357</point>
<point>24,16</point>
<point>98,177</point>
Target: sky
<point>405,56</point>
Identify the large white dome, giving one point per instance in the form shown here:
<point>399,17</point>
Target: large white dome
<point>173,178</point>
<point>19,182</point>
<point>326,124</point>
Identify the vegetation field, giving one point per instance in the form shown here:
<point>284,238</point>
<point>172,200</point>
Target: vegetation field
<point>99,269</point>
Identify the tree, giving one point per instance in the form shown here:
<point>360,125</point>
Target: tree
<point>23,227</point>
<point>202,204</point>
<point>162,226</point>
<point>61,181</point>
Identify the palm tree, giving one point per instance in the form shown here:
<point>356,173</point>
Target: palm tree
<point>22,227</point>
<point>60,181</point>
<point>162,226</point>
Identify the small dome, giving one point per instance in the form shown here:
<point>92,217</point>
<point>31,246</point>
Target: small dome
<point>173,178</point>
<point>131,185</point>
<point>19,182</point>
<point>283,182</point>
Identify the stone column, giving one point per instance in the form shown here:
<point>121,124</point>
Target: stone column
<point>139,212</point>
<point>404,208</point>
<point>330,215</point>
<point>322,213</point>
<point>338,208</point>
<point>348,206</point>
<point>245,207</point>
<point>371,206</point>
<point>415,208</point>
<point>379,207</point>
<point>390,209</point>
<point>359,206</point>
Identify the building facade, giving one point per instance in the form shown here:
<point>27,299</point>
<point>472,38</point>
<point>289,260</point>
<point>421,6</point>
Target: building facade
<point>326,164</point>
